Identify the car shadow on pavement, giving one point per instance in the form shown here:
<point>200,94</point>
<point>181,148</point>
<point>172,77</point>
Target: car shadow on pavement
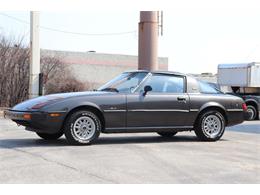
<point>146,139</point>
<point>143,139</point>
<point>34,142</point>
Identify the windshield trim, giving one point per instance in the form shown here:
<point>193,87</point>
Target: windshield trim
<point>140,84</point>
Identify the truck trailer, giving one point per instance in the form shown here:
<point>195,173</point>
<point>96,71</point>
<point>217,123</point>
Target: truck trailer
<point>242,79</point>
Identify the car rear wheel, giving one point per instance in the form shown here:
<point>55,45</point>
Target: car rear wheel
<point>210,126</point>
<point>167,134</point>
<point>50,136</point>
<point>82,127</point>
<point>251,112</point>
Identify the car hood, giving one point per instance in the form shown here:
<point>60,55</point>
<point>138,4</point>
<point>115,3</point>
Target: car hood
<point>32,104</point>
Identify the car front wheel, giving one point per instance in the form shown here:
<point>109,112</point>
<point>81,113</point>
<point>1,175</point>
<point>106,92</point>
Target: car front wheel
<point>82,127</point>
<point>50,136</point>
<point>210,126</point>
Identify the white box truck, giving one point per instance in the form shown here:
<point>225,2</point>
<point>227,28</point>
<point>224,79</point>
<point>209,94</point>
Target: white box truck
<point>243,80</point>
<point>243,75</point>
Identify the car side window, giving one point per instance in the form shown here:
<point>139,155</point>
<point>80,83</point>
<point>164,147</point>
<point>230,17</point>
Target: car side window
<point>206,88</point>
<point>131,82</point>
<point>166,83</point>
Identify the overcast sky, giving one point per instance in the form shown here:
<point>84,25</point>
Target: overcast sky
<point>194,40</point>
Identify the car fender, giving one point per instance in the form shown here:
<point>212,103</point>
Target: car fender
<point>211,104</point>
<point>69,104</point>
<point>85,103</point>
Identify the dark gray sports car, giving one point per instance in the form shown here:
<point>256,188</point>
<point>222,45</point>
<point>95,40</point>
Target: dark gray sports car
<point>137,101</point>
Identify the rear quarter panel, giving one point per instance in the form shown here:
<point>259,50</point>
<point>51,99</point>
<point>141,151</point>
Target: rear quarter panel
<point>231,105</point>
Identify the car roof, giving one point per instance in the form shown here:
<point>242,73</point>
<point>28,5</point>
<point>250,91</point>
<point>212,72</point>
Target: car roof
<point>160,72</point>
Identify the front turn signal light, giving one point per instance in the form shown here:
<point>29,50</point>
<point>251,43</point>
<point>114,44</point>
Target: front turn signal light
<point>27,116</point>
<point>55,114</point>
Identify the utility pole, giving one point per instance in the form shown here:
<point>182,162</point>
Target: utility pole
<point>148,40</point>
<point>35,55</point>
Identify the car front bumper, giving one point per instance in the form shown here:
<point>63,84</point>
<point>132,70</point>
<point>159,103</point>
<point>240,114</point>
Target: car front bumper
<point>42,122</point>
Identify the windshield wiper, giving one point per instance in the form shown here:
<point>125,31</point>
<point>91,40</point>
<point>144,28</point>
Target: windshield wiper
<point>110,89</point>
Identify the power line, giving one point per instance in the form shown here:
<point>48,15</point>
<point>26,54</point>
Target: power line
<point>71,32</point>
<point>87,34</point>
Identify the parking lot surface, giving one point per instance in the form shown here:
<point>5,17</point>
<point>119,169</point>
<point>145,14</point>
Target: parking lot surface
<point>131,158</point>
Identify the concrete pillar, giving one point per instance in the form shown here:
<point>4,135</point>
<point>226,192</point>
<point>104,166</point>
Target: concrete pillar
<point>35,55</point>
<point>148,41</point>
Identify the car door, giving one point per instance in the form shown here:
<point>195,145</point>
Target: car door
<point>114,108</point>
<point>166,105</point>
<point>114,104</point>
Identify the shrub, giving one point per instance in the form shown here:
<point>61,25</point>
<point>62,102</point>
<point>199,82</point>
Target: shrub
<point>14,73</point>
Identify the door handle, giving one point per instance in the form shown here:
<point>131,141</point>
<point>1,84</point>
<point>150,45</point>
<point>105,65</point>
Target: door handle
<point>181,99</point>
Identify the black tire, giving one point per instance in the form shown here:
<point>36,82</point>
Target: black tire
<point>167,134</point>
<point>251,113</point>
<point>73,137</point>
<point>50,136</point>
<point>201,129</point>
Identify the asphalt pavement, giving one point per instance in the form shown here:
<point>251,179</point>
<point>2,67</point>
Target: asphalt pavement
<point>131,158</point>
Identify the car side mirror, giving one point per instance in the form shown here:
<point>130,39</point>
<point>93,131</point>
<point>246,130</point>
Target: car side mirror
<point>146,89</point>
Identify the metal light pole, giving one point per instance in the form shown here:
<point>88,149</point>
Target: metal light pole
<point>35,55</point>
<point>148,41</point>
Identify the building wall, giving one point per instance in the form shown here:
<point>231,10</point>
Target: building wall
<point>96,74</point>
<point>98,68</point>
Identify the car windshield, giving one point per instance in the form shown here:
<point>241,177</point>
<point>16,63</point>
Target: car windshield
<point>125,82</point>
